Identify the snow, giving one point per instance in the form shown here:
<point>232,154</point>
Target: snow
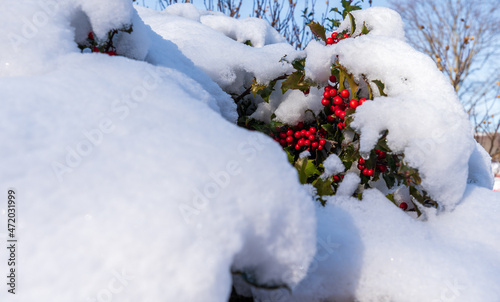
<point>123,188</point>
<point>134,184</point>
<point>231,64</point>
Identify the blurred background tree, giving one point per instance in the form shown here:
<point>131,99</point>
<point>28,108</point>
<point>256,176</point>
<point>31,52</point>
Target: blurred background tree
<point>286,16</point>
<point>463,38</point>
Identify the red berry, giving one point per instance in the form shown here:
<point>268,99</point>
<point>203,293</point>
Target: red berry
<point>300,125</point>
<point>311,137</point>
<point>282,135</point>
<point>332,92</point>
<point>322,142</point>
<point>403,206</point>
<point>365,171</point>
<point>337,100</point>
<point>303,132</point>
<point>361,167</point>
<point>325,102</point>
<point>95,49</point>
<point>91,35</point>
<point>333,78</point>
<point>329,41</point>
<point>382,168</point>
<point>300,142</point>
<point>312,130</point>
<point>353,104</point>
<point>345,36</point>
<point>328,87</point>
<point>336,178</point>
<point>307,142</point>
<point>342,115</point>
<point>330,118</point>
<point>282,142</point>
<point>297,134</point>
<point>338,112</point>
<point>306,92</point>
<point>344,93</point>
<point>314,145</point>
<point>370,172</point>
<point>111,53</point>
<point>289,132</point>
<point>381,155</point>
<point>334,108</point>
<point>320,147</point>
<point>289,139</point>
<point>308,133</point>
<point>361,101</point>
<point>361,161</point>
<point>334,35</point>
<point>297,147</point>
<point>341,125</point>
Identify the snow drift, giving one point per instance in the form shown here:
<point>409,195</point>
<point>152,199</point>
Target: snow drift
<point>135,184</point>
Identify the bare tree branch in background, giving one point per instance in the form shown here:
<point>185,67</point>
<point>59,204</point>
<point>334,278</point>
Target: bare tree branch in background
<point>228,7</point>
<point>463,38</point>
<point>283,15</point>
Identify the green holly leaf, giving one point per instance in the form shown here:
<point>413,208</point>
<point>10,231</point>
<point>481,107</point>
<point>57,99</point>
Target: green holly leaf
<point>299,64</point>
<point>306,169</point>
<point>353,23</point>
<point>318,30</point>
<point>296,81</point>
<point>380,86</point>
<point>256,87</point>
<point>323,186</point>
<point>330,129</point>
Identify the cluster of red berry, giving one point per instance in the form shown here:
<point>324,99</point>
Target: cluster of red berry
<point>300,138</point>
<point>95,48</point>
<point>336,103</point>
<point>335,38</point>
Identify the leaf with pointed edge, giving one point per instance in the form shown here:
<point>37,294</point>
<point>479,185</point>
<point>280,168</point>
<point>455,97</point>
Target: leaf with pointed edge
<point>318,30</point>
<point>353,23</point>
<point>306,169</point>
<point>256,87</point>
<point>323,186</point>
<point>365,29</point>
<point>380,86</point>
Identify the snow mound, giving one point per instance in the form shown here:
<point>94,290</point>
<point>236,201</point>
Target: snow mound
<point>371,251</point>
<point>129,177</point>
<point>231,64</point>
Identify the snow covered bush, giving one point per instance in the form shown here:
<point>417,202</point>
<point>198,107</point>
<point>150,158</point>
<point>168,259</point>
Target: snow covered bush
<point>136,184</point>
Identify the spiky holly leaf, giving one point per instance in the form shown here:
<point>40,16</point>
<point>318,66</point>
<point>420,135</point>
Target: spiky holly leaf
<point>318,30</point>
<point>380,86</point>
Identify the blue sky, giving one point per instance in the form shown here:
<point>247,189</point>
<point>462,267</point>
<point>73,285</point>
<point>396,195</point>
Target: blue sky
<point>247,4</point>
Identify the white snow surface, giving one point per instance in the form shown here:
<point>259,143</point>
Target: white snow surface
<point>222,55</point>
<point>134,184</point>
<point>131,184</point>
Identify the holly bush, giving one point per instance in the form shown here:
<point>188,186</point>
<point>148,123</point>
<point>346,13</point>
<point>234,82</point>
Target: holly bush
<point>330,132</point>
<point>106,46</point>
